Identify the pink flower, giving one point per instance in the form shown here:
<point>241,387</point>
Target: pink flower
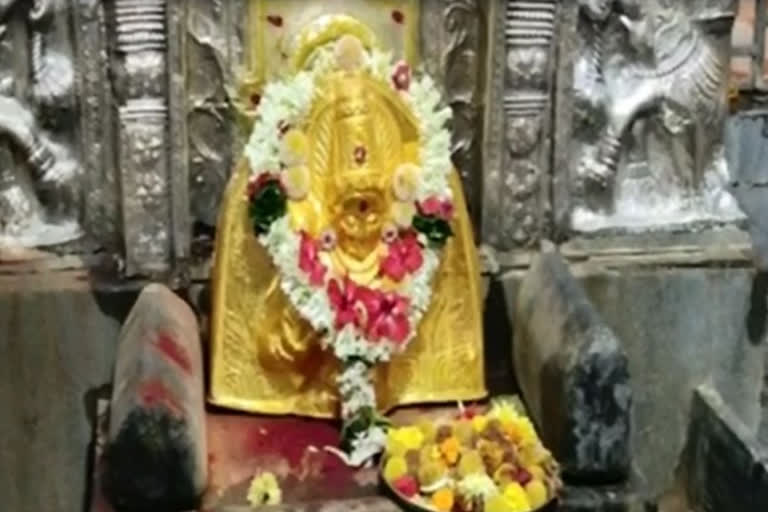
<point>435,207</point>
<point>309,261</point>
<point>404,257</point>
<point>387,315</point>
<point>401,76</point>
<point>346,299</point>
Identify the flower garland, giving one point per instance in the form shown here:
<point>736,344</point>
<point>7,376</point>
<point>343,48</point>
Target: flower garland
<point>361,325</point>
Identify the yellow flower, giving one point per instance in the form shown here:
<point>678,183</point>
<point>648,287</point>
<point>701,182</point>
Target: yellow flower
<point>536,471</point>
<point>516,498</point>
<point>428,429</point>
<point>402,213</point>
<point>471,463</point>
<point>429,453</point>
<point>505,412</point>
<point>520,431</point>
<point>533,454</point>
<point>479,423</point>
<point>537,493</point>
<point>294,148</point>
<point>296,182</point>
<point>431,472</point>
<point>404,182</point>
<point>450,450</point>
<point>405,438</point>
<point>443,500</point>
<point>395,468</point>
<point>264,490</point>
<point>350,54</point>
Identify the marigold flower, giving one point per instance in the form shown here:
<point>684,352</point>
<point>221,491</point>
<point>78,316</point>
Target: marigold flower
<point>450,448</point>
<point>294,148</point>
<point>264,490</point>
<point>443,500</point>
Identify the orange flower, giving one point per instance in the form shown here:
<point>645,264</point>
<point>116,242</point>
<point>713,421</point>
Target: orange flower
<point>450,449</point>
<point>443,500</point>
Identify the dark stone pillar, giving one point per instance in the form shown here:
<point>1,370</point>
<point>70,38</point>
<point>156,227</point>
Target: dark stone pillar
<point>156,457</point>
<point>573,374</point>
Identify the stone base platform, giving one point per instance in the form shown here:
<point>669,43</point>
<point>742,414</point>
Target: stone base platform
<point>311,478</point>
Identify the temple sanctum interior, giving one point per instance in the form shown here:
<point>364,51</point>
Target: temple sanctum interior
<point>384,255</point>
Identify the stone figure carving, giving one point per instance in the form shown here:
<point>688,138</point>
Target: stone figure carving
<point>652,113</point>
<point>37,173</point>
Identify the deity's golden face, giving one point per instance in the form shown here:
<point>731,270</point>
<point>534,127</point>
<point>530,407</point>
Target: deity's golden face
<point>359,218</point>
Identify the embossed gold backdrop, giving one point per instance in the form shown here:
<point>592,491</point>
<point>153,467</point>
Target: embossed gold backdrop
<point>273,26</point>
<point>267,359</point>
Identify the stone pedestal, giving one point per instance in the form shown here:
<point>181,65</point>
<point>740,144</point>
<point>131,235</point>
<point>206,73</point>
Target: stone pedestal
<point>573,374</point>
<point>157,457</point>
<point>680,326</point>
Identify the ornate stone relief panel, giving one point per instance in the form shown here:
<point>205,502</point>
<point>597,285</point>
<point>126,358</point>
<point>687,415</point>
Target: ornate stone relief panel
<point>516,205</point>
<point>40,172</point>
<point>453,45</point>
<point>213,56</point>
<point>649,101</point>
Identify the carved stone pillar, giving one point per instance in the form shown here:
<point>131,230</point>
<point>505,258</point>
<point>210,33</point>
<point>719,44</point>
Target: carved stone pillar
<point>101,181</point>
<point>152,137</point>
<point>517,157</point>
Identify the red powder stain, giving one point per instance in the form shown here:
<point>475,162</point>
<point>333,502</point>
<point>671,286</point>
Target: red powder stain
<point>154,393</point>
<point>289,439</point>
<point>398,16</point>
<point>277,21</point>
<point>173,351</point>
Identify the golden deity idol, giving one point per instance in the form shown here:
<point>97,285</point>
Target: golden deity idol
<point>266,357</point>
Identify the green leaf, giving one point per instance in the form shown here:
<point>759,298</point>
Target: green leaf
<point>434,228</point>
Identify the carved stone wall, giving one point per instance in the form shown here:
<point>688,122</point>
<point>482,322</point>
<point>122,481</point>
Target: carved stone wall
<point>517,159</point>
<point>40,192</point>
<point>454,45</point>
<point>646,112</point>
<point>145,135</point>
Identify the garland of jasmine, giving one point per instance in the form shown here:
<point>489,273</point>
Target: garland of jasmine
<point>361,325</point>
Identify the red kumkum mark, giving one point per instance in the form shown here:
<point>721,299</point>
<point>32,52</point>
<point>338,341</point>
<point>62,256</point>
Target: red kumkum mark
<point>173,351</point>
<point>275,20</point>
<point>398,16</point>
<point>154,393</point>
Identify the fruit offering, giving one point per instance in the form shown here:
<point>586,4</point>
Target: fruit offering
<point>492,462</point>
